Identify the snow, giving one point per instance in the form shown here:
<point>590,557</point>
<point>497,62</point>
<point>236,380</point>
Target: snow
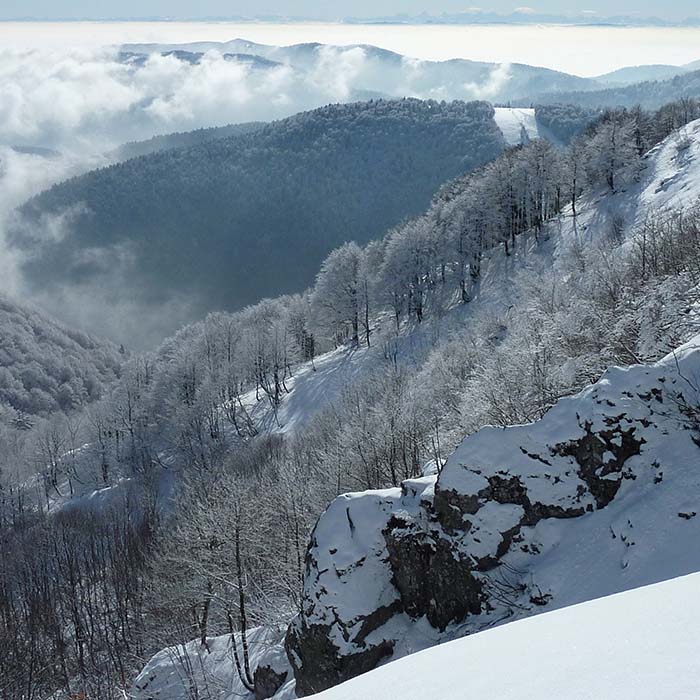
<point>639,645</point>
<point>512,121</point>
<point>313,386</point>
<point>191,670</point>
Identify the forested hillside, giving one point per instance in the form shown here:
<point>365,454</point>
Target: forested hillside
<point>47,367</point>
<point>227,222</point>
<point>564,122</point>
<point>499,300</point>
<point>180,140</point>
<point>649,94</point>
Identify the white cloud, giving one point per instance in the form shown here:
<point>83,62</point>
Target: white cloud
<point>87,101</point>
<point>21,176</point>
<point>498,77</point>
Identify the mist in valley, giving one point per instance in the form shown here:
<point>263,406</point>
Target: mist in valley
<point>69,99</point>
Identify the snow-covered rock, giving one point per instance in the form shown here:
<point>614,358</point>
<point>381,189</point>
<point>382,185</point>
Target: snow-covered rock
<point>637,645</point>
<point>601,495</point>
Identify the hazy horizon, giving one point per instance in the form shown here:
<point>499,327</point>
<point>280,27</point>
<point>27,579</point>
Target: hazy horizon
<point>587,51</point>
<point>335,9</point>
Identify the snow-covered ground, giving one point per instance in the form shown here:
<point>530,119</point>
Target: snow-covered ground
<point>637,645</point>
<point>669,179</point>
<point>517,124</point>
<point>192,670</point>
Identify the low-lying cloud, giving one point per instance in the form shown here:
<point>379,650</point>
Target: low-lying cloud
<point>68,109</point>
<point>95,100</point>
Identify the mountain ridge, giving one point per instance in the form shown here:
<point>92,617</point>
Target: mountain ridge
<point>284,195</point>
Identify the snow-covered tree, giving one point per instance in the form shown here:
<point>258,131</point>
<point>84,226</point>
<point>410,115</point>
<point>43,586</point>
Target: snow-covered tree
<point>612,153</point>
<point>335,297</point>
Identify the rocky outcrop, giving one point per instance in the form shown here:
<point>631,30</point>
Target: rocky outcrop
<point>330,665</point>
<point>390,572</point>
<point>432,579</point>
<point>336,635</point>
<point>590,453</point>
<point>267,681</point>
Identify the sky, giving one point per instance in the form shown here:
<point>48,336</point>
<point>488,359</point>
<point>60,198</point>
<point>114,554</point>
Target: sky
<point>327,9</point>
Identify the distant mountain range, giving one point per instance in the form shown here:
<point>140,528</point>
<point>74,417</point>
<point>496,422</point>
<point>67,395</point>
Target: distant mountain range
<point>650,94</point>
<point>383,73</point>
<point>638,74</point>
<point>470,16</point>
<point>477,16</point>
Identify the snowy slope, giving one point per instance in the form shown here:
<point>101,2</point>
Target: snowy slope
<point>638,645</point>
<point>670,178</point>
<point>599,496</point>
<point>517,124</point>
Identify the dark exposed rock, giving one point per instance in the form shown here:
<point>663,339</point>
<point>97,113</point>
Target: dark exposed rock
<point>502,489</point>
<point>431,577</point>
<point>589,451</point>
<point>507,538</point>
<point>376,619</point>
<point>267,682</point>
<point>541,511</point>
<point>506,490</point>
<point>534,456</point>
<point>450,508</point>
<point>318,663</point>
